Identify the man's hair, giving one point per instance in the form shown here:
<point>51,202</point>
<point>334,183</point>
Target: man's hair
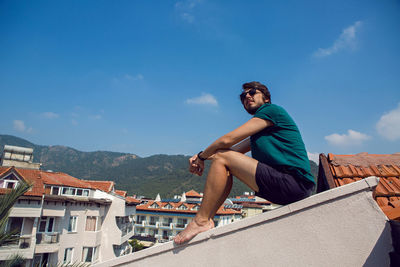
<point>259,86</point>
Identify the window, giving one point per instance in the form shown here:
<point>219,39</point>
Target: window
<point>140,230</point>
<point>140,219</point>
<point>56,190</point>
<point>90,254</point>
<point>153,220</point>
<point>154,206</point>
<point>86,193</point>
<point>72,223</point>
<point>68,255</point>
<point>92,223</point>
<point>46,224</point>
<point>15,224</point>
<point>168,206</point>
<point>153,232</point>
<point>181,223</point>
<point>9,182</point>
<point>67,191</point>
<point>167,221</point>
<point>79,192</point>
<point>182,207</point>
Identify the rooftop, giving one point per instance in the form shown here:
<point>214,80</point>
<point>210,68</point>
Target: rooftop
<point>339,227</point>
<point>338,170</point>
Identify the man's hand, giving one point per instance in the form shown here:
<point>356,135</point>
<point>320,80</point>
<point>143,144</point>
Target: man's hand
<point>196,165</point>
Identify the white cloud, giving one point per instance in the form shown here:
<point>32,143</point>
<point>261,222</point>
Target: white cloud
<point>127,78</point>
<point>95,117</point>
<point>351,138</point>
<point>74,122</point>
<point>313,156</point>
<point>20,126</point>
<point>204,99</point>
<point>346,40</point>
<point>136,77</point>
<point>50,115</point>
<point>186,8</point>
<point>388,125</point>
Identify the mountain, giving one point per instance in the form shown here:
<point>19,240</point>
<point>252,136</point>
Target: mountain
<point>164,174</point>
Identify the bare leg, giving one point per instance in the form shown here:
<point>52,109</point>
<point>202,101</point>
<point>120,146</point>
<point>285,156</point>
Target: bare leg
<point>217,188</point>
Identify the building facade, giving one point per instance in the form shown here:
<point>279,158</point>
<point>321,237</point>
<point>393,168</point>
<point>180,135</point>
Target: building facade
<point>164,219</point>
<point>62,219</point>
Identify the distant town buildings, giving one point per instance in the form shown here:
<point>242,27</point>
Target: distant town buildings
<point>62,219</point>
<point>162,220</point>
<point>65,220</point>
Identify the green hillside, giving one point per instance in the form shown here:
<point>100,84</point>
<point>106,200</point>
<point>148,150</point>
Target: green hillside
<point>164,174</point>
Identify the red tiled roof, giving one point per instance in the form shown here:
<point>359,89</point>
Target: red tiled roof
<point>39,178</point>
<point>105,186</point>
<point>251,205</point>
<point>346,169</point>
<point>132,200</point>
<point>175,205</point>
<point>192,193</point>
<point>121,193</point>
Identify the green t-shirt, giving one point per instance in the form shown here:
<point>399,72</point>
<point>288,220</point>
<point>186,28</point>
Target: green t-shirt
<point>280,146</point>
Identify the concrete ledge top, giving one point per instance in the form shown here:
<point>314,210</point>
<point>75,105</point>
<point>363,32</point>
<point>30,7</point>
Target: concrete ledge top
<point>367,184</point>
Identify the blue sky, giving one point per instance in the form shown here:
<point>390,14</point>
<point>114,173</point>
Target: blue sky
<point>163,77</point>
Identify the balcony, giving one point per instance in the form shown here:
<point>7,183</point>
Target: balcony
<point>166,225</point>
<point>180,226</point>
<point>154,224</point>
<point>47,242</point>
<point>23,246</point>
<point>141,223</point>
<point>47,238</point>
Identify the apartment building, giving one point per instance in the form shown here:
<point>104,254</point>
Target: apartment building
<point>164,219</point>
<point>62,219</point>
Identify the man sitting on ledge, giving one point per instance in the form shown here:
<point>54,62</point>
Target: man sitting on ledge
<point>278,171</point>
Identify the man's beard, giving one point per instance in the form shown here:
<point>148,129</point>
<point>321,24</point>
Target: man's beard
<point>252,110</point>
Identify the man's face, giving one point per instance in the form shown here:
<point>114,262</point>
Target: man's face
<point>252,100</point>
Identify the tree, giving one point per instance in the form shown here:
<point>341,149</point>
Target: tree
<point>136,245</point>
<point>7,201</point>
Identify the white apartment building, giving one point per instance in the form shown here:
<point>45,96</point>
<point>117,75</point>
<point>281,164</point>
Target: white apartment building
<point>62,219</point>
<point>163,220</point>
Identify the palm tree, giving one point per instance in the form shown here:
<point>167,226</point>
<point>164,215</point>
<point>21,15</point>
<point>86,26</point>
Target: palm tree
<point>7,201</point>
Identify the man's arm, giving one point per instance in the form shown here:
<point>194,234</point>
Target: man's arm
<point>252,126</point>
<point>242,147</point>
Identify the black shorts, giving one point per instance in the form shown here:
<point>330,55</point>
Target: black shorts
<point>280,187</point>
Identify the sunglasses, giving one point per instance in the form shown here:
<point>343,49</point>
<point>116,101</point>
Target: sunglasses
<point>251,92</point>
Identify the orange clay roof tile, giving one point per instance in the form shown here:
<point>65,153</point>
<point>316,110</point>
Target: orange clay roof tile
<point>132,200</point>
<point>192,193</point>
<point>39,179</point>
<point>350,168</point>
<point>190,210</point>
<point>106,186</point>
<point>121,193</point>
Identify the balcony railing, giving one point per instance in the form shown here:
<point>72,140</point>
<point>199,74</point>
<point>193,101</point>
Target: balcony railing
<point>153,223</point>
<point>47,238</point>
<point>21,242</point>
<point>180,225</point>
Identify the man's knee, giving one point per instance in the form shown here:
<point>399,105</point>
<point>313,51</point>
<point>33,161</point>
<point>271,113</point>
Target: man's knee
<point>223,154</point>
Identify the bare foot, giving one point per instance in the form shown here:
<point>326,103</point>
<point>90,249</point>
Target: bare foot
<point>194,228</point>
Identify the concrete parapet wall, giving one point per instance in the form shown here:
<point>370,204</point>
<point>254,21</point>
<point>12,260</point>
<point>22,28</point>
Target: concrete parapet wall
<point>340,227</point>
